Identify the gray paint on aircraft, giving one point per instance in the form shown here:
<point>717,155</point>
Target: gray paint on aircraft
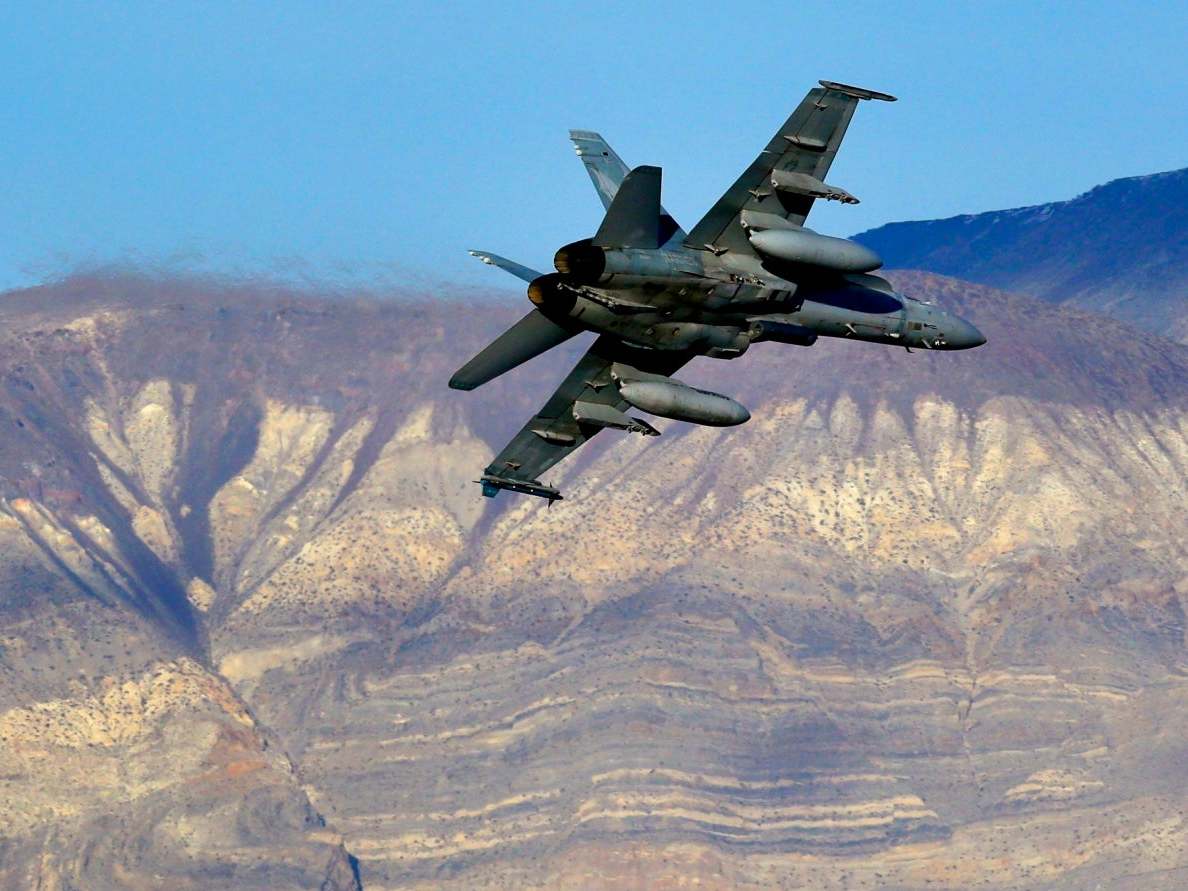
<point>749,271</point>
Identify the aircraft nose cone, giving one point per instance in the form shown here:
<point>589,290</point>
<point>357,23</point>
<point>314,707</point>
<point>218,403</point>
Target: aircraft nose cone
<point>964,336</point>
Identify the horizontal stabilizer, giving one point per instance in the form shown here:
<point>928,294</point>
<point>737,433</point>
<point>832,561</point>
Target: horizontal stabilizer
<point>633,220</point>
<point>526,339</point>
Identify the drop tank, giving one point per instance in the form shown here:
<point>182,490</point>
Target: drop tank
<point>672,399</point>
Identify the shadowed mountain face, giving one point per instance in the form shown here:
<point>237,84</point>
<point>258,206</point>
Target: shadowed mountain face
<point>1119,249</point>
<point>918,624</point>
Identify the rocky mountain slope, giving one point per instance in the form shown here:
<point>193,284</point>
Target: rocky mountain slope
<point>1119,249</point>
<point>918,624</point>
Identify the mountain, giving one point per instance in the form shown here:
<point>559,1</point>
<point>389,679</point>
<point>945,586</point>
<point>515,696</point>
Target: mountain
<point>1119,249</point>
<point>918,624</point>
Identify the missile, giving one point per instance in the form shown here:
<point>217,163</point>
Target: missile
<point>672,399</point>
<point>813,249</point>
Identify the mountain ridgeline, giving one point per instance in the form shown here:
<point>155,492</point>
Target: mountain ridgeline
<point>1120,249</point>
<point>919,623</point>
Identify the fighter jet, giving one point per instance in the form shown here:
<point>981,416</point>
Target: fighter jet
<point>657,296</point>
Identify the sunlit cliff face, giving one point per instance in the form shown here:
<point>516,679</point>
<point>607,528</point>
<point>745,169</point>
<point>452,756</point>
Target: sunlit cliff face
<point>919,622</point>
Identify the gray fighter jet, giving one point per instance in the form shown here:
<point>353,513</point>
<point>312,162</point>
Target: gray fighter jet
<point>657,296</point>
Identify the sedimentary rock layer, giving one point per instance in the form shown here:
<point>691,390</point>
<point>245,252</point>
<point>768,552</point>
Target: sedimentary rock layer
<point>918,624</point>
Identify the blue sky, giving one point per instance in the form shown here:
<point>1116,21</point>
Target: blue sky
<point>376,142</point>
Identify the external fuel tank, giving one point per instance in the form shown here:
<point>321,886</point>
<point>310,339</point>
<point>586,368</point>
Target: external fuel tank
<point>813,249</point>
<point>671,399</point>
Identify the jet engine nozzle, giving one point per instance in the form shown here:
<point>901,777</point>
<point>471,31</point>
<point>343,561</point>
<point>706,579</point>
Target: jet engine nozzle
<point>813,249</point>
<point>581,260</point>
<point>586,263</point>
<point>551,295</point>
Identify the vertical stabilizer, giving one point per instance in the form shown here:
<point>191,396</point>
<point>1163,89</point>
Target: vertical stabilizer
<point>607,172</point>
<point>633,219</point>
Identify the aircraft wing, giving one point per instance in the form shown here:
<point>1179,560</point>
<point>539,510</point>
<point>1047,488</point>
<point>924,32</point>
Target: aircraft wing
<point>798,156</point>
<point>585,402</point>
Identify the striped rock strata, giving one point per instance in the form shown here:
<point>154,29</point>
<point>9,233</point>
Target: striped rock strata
<point>919,624</point>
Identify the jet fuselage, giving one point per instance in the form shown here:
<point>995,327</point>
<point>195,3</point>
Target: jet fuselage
<point>679,300</point>
<point>658,297</point>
